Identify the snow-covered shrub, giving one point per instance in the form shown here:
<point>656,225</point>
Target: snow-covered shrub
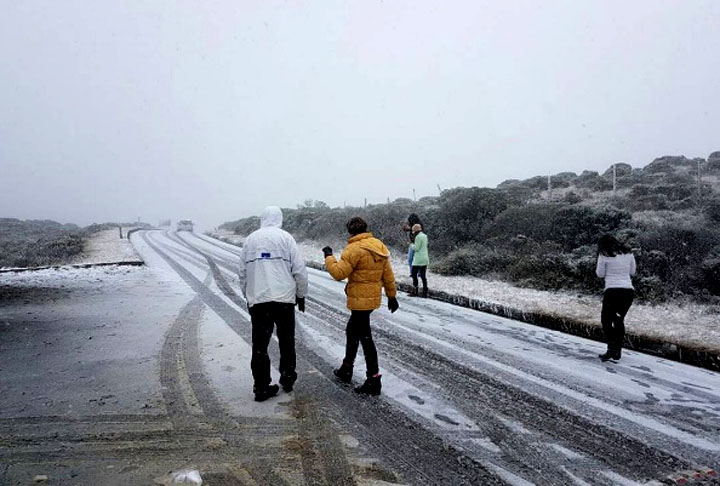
<point>38,243</point>
<point>677,254</point>
<point>474,259</point>
<point>463,213</point>
<point>712,209</point>
<point>711,271</point>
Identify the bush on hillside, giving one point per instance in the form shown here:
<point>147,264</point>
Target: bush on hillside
<point>526,263</point>
<point>463,213</point>
<point>681,256</point>
<point>593,181</point>
<point>38,243</point>
<point>574,226</point>
<point>712,209</point>
<point>711,271</point>
<point>568,225</point>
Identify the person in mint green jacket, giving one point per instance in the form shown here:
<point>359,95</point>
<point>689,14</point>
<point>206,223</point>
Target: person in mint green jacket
<point>420,260</point>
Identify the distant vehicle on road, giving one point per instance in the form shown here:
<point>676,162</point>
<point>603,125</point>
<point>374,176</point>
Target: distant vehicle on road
<point>185,225</point>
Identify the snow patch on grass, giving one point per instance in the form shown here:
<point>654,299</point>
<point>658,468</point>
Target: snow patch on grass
<point>107,247</point>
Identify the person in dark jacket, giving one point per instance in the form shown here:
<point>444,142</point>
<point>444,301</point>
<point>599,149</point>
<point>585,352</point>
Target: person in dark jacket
<point>412,220</point>
<point>616,264</point>
<point>365,262</point>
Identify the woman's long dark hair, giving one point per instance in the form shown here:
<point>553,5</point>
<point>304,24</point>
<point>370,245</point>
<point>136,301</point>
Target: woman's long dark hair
<point>414,219</point>
<point>609,246</point>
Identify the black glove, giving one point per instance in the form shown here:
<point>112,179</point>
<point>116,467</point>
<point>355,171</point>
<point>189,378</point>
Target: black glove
<point>327,251</point>
<point>393,304</point>
<point>300,302</point>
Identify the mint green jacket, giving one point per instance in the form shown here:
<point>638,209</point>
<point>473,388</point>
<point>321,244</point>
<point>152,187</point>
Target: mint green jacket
<point>420,246</point>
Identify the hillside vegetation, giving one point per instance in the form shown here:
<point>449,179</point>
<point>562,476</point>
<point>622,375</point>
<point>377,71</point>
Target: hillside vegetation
<point>523,233</point>
<point>36,243</point>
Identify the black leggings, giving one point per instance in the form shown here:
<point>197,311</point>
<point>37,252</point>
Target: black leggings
<point>264,318</point>
<point>358,332</point>
<point>616,303</point>
<point>419,270</point>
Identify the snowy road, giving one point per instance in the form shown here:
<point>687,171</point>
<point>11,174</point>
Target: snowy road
<point>526,404</point>
<point>468,398</point>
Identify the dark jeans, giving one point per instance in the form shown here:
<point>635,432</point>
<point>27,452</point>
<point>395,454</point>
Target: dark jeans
<point>616,303</point>
<point>358,332</point>
<point>264,317</point>
<point>419,271</point>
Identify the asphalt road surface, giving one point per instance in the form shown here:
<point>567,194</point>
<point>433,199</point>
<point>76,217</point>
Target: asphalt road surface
<point>118,376</point>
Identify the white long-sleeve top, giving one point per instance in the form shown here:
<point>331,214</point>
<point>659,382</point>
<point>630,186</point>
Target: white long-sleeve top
<point>271,267</point>
<point>616,270</point>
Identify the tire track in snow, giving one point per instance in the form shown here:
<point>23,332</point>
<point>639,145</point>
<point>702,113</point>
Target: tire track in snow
<point>481,397</point>
<point>412,448</point>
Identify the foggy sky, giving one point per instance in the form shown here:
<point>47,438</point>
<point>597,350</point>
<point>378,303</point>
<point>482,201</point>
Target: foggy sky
<point>211,110</point>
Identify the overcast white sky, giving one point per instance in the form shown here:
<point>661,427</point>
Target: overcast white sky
<point>211,110</point>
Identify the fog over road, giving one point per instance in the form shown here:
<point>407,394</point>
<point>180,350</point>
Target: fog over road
<point>468,398</point>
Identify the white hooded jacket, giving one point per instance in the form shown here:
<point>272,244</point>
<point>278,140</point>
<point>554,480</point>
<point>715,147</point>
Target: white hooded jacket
<point>271,268</point>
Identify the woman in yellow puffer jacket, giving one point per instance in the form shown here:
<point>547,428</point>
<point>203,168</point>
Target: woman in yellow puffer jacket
<point>365,262</point>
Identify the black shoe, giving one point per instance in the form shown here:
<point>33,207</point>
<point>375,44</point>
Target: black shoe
<point>425,292</point>
<point>607,356</point>
<point>262,394</point>
<point>286,384</point>
<point>371,386</point>
<point>616,355</point>
<point>344,373</point>
<point>414,292</point>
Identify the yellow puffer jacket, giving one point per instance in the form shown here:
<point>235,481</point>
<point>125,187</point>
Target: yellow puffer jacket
<point>365,262</point>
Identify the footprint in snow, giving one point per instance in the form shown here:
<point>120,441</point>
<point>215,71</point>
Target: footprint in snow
<point>641,383</point>
<point>416,399</point>
<point>445,419</point>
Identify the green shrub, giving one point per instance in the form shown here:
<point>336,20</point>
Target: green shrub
<point>464,212</point>
<point>574,226</point>
<point>38,243</point>
<point>650,288</point>
<point>712,209</point>
<point>711,272</point>
<point>570,226</point>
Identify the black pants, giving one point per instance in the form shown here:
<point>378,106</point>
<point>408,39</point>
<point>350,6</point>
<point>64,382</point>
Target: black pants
<point>419,271</point>
<point>358,332</point>
<point>264,317</point>
<point>616,303</point>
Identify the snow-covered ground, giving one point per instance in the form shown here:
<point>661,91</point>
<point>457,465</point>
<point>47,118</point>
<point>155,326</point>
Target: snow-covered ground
<point>107,247</point>
<point>502,391</point>
<point>64,277</point>
<point>690,324</point>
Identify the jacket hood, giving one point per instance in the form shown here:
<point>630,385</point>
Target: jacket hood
<point>271,216</point>
<point>373,245</point>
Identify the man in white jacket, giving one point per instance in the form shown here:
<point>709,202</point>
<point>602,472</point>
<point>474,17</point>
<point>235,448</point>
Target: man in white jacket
<point>273,279</point>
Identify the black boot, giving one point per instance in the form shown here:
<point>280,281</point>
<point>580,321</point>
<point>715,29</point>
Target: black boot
<point>371,386</point>
<point>344,373</point>
<point>262,394</point>
<point>425,292</point>
<point>414,292</point>
<point>286,382</point>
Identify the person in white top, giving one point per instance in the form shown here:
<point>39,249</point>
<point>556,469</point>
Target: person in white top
<point>273,279</point>
<point>616,264</point>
